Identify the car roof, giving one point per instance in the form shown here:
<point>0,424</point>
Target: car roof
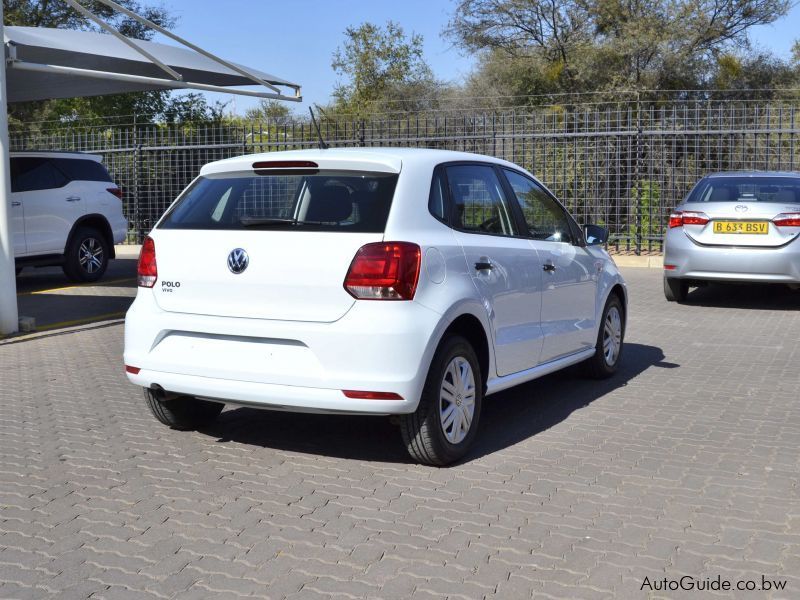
<point>56,154</point>
<point>793,174</point>
<point>381,159</point>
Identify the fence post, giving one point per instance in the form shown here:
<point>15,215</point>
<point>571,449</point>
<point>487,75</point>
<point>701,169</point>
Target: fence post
<point>137,154</point>
<point>361,133</point>
<point>637,166</point>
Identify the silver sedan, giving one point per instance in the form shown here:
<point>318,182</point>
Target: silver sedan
<point>738,227</point>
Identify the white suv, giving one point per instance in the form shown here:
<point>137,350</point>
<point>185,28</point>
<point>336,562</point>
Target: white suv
<point>65,210</point>
<point>377,281</point>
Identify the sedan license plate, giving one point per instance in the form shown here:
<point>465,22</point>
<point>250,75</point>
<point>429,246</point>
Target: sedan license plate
<point>754,227</point>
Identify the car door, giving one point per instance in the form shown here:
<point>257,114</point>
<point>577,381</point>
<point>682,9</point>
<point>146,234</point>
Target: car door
<point>502,263</point>
<point>570,272</point>
<point>50,208</point>
<point>17,219</point>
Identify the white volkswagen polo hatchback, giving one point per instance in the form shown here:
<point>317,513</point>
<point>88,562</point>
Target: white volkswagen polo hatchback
<point>377,281</point>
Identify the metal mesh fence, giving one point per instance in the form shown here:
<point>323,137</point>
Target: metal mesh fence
<point>622,165</point>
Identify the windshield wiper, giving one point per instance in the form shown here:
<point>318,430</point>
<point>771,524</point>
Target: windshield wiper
<point>267,221</point>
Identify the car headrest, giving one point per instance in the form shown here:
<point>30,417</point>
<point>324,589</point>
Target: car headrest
<point>329,202</point>
<point>720,194</point>
<point>785,196</point>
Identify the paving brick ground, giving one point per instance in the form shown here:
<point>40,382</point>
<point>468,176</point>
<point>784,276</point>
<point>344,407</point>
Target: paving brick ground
<point>684,464</point>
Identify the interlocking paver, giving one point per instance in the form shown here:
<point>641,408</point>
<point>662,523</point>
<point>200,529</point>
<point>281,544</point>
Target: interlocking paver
<point>686,463</point>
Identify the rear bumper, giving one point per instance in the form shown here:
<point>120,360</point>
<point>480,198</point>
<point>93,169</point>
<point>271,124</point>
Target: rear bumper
<point>285,365</point>
<point>119,230</point>
<point>726,263</point>
<point>268,395</point>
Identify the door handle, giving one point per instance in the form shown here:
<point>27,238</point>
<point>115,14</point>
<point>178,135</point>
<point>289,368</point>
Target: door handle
<point>484,264</point>
<point>73,198</point>
<point>16,204</point>
<point>549,267</point>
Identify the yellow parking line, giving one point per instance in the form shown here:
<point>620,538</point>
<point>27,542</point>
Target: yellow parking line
<point>72,287</point>
<point>84,321</point>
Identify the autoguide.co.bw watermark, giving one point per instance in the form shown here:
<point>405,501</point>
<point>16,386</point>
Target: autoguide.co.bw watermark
<point>689,583</point>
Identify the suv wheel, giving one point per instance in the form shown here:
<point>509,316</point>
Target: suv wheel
<point>446,421</point>
<point>86,257</point>
<point>184,412</point>
<point>608,349</point>
<point>675,290</point>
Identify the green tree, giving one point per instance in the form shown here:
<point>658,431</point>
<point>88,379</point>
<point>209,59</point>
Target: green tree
<point>270,110</point>
<point>588,45</point>
<point>383,69</point>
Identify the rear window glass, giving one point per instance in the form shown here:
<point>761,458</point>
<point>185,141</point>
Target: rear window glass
<point>82,169</point>
<point>32,173</point>
<point>747,189</point>
<point>324,201</point>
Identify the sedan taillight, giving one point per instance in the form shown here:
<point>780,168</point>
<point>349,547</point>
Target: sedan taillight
<point>147,270</point>
<point>687,217</point>
<point>787,220</point>
<point>384,271</point>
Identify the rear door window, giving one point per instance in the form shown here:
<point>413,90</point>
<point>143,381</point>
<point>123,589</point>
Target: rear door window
<point>32,173</point>
<point>82,169</point>
<point>324,201</point>
<point>479,204</point>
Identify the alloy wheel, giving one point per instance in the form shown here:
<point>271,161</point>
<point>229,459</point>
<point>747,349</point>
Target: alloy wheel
<point>90,255</point>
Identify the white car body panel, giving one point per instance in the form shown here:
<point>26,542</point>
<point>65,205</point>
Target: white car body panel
<point>51,213</point>
<point>42,220</point>
<point>290,337</point>
<point>18,228</point>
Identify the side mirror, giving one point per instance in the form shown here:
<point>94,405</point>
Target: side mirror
<point>595,235</point>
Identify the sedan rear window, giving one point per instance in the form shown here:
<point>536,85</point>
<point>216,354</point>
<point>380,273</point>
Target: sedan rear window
<point>747,189</point>
<point>323,201</point>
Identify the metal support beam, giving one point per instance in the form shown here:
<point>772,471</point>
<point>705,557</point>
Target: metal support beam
<point>198,49</point>
<point>92,17</point>
<point>166,83</point>
<point>9,318</point>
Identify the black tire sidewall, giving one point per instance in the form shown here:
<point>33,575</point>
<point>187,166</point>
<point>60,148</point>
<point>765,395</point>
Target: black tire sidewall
<point>72,266</point>
<point>601,366</point>
<point>453,347</point>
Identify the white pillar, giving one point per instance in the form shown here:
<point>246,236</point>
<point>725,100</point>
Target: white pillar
<point>9,319</point>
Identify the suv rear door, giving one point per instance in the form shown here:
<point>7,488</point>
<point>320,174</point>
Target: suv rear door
<point>51,203</point>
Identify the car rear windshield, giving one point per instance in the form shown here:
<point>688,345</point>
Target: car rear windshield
<point>323,201</point>
<point>747,189</point>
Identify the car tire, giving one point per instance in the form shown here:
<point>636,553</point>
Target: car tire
<point>610,341</point>
<point>183,413</point>
<point>86,256</point>
<point>446,421</point>
<point>675,290</point>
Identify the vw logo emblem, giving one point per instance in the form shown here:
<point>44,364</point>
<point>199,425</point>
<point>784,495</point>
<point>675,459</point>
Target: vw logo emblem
<point>238,261</point>
<point>741,208</point>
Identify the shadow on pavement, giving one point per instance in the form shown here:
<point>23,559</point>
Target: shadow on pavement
<point>55,302</point>
<point>508,417</point>
<point>745,296</point>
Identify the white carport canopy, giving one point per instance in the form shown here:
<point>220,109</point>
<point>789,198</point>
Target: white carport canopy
<point>53,63</point>
<point>60,63</point>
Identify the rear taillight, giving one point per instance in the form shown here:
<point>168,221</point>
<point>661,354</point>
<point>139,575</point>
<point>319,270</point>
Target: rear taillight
<point>116,191</point>
<point>384,271</point>
<point>787,220</point>
<point>147,271</point>
<point>687,217</point>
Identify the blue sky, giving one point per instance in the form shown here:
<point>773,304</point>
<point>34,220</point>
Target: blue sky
<point>295,39</point>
